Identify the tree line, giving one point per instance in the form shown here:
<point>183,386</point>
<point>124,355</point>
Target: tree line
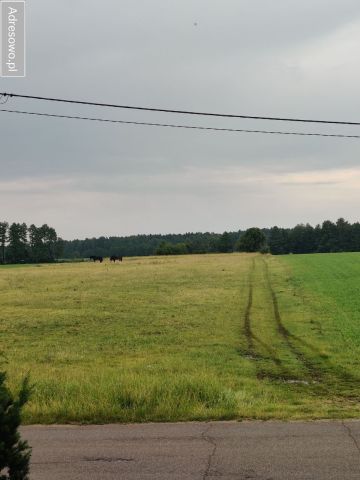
<point>22,244</point>
<point>339,236</point>
<point>143,245</point>
<point>19,243</point>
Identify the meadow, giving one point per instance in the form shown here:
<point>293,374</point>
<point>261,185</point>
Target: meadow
<point>196,337</point>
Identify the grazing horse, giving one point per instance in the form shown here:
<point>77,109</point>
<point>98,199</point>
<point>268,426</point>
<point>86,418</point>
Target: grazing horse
<point>113,258</point>
<point>95,258</point>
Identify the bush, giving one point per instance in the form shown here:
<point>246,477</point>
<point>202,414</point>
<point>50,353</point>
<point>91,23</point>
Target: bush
<point>14,452</point>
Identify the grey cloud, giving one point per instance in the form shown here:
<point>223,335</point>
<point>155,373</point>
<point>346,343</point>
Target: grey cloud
<point>285,58</point>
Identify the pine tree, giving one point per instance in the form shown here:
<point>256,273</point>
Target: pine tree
<point>50,242</point>
<point>14,452</point>
<point>225,243</point>
<point>38,251</point>
<point>3,238</point>
<point>18,248</point>
<point>279,241</point>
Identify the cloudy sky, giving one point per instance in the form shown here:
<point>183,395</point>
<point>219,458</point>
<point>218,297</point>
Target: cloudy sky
<point>256,57</point>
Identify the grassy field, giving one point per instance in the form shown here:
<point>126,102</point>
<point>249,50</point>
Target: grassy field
<point>185,338</point>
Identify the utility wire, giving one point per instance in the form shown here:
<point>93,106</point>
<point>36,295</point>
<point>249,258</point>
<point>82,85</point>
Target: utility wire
<point>3,99</point>
<point>191,127</point>
<point>184,112</point>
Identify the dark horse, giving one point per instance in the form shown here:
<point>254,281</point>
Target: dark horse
<point>113,258</point>
<point>95,258</point>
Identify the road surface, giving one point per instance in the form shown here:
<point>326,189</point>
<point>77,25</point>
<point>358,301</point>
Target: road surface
<point>322,450</point>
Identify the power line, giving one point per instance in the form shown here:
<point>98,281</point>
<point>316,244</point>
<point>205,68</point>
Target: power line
<point>184,112</point>
<point>190,127</point>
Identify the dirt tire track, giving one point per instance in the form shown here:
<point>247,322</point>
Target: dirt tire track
<point>247,315</point>
<point>272,354</point>
<point>313,371</point>
<point>251,338</point>
<point>323,376</point>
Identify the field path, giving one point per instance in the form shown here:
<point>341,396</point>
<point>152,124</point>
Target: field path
<point>324,450</point>
<point>253,340</point>
<point>247,316</point>
<point>287,337</point>
<point>276,352</point>
<point>261,311</point>
<point>318,368</point>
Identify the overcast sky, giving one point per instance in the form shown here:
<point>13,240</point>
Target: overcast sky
<point>256,57</point>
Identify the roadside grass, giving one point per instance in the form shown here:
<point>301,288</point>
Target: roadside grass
<point>196,337</point>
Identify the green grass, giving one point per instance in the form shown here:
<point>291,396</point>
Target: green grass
<point>185,338</point>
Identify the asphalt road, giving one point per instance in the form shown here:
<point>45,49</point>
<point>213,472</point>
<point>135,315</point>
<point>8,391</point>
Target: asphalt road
<point>216,450</point>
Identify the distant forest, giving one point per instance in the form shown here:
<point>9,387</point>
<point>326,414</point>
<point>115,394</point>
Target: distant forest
<point>142,245</point>
<point>22,244</point>
<point>341,236</point>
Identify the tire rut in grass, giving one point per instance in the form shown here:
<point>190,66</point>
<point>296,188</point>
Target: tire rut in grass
<point>326,377</point>
<point>327,374</point>
<point>314,373</point>
<point>252,352</point>
<point>247,316</point>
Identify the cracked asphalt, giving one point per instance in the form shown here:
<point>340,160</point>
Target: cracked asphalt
<point>203,451</point>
